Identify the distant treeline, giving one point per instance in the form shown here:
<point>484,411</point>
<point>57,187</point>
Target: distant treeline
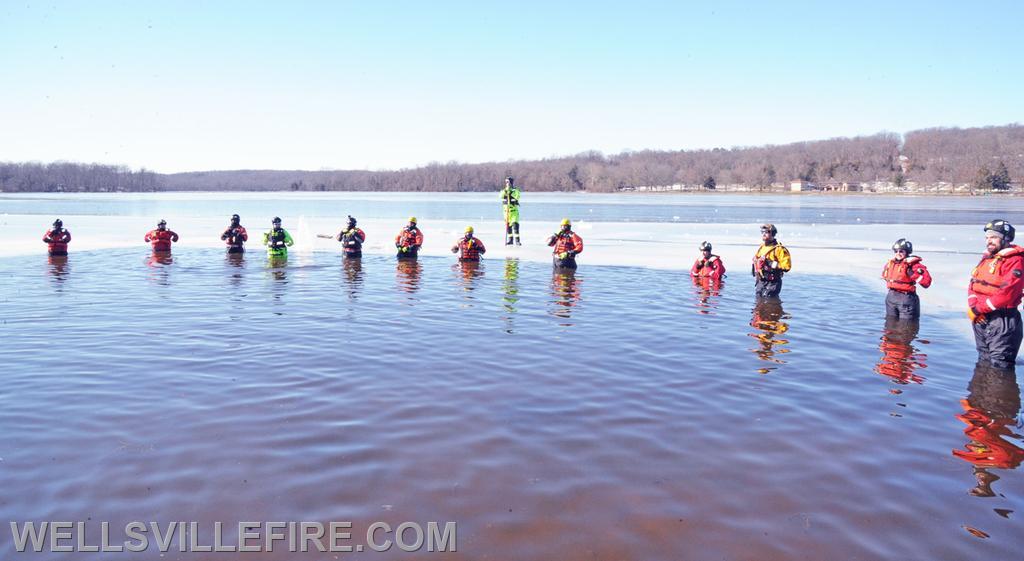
<point>983,157</point>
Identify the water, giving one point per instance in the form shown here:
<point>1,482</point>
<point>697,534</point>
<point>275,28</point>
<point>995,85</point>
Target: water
<point>703,208</point>
<point>618,413</point>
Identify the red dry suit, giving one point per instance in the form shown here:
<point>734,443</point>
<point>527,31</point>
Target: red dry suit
<point>409,238</point>
<point>996,282</point>
<point>712,268</point>
<point>161,239</point>
<point>564,242</point>
<point>470,250</point>
<point>58,241</point>
<point>905,274</point>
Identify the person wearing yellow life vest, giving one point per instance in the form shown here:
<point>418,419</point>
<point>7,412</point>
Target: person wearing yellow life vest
<point>993,295</point>
<point>770,262</point>
<point>902,274</point>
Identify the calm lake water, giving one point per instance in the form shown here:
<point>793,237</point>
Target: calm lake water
<point>618,413</point>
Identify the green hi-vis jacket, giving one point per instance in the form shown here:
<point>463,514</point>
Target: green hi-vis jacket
<point>510,203</point>
<point>277,241</point>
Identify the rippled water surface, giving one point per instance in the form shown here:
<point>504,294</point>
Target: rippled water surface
<point>617,413</point>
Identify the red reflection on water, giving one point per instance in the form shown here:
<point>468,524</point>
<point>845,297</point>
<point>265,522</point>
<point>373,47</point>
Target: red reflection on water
<point>408,273</point>
<point>707,291</point>
<point>900,358</point>
<point>990,409</point>
<point>565,292</point>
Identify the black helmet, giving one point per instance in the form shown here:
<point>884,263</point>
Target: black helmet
<point>162,222</point>
<point>510,179</point>
<point>351,221</point>
<point>904,244</point>
<point>236,218</point>
<point>1001,227</point>
<point>705,246</point>
<point>769,228</point>
<point>58,223</point>
<point>276,220</point>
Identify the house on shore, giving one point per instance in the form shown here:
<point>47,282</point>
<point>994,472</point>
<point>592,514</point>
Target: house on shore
<point>798,185</point>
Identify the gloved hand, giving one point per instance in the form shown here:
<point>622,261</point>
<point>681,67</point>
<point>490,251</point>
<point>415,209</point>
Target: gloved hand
<point>700,265</point>
<point>974,315</point>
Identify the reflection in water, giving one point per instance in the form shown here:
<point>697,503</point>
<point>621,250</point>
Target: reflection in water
<point>408,273</point>
<point>159,263</point>
<point>900,358</point>
<point>353,267</point>
<point>565,293</point>
<point>468,272</point>
<point>990,409</point>
<point>277,267</point>
<point>768,319</point>
<point>707,291</point>
<point>510,289</point>
<point>237,261</point>
<point>58,270</point>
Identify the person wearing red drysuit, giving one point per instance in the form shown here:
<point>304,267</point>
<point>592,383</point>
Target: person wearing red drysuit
<point>902,274</point>
<point>566,246</point>
<point>235,235</point>
<point>409,240</point>
<point>469,247</point>
<point>708,266</point>
<point>161,238</point>
<point>993,295</point>
<point>57,238</point>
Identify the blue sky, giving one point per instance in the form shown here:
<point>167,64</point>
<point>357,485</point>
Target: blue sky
<point>177,86</point>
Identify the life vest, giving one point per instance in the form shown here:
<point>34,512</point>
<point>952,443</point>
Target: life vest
<point>470,250</point>
<point>903,275</point>
<point>237,239</point>
<point>57,241</point>
<point>409,238</point>
<point>161,239</point>
<point>510,197</point>
<point>352,240</point>
<point>711,267</point>
<point>766,254</point>
<point>565,242</point>
<point>996,281</point>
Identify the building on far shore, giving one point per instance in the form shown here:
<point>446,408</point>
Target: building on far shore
<point>798,185</point>
<point>843,186</point>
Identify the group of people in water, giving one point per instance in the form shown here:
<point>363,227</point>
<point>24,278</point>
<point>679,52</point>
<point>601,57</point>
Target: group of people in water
<point>993,296</point>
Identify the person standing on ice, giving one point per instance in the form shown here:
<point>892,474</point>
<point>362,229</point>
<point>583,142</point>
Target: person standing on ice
<point>708,266</point>
<point>161,238</point>
<point>510,207</point>
<point>567,244</point>
<point>770,262</point>
<point>902,274</point>
<point>993,295</point>
<point>57,238</point>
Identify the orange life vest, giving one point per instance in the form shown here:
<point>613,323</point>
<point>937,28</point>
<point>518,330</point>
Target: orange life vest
<point>996,281</point>
<point>903,275</point>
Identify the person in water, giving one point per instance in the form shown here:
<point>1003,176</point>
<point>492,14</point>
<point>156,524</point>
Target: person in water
<point>161,238</point>
<point>708,266</point>
<point>277,239</point>
<point>469,247</point>
<point>57,239</point>
<point>771,261</point>
<point>409,240</point>
<point>567,244</point>
<point>352,239</point>
<point>510,207</point>
<point>902,274</point>
<point>235,236</point>
<point>993,295</point>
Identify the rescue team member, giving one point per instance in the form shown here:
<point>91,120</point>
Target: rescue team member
<point>352,239</point>
<point>771,261</point>
<point>409,240</point>
<point>468,247</point>
<point>566,246</point>
<point>510,206</point>
<point>708,266</point>
<point>993,296</point>
<point>235,236</point>
<point>57,238</point>
<point>161,238</point>
<point>277,239</point>
<point>902,274</point>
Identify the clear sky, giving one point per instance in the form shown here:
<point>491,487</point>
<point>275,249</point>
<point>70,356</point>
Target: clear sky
<point>178,86</point>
